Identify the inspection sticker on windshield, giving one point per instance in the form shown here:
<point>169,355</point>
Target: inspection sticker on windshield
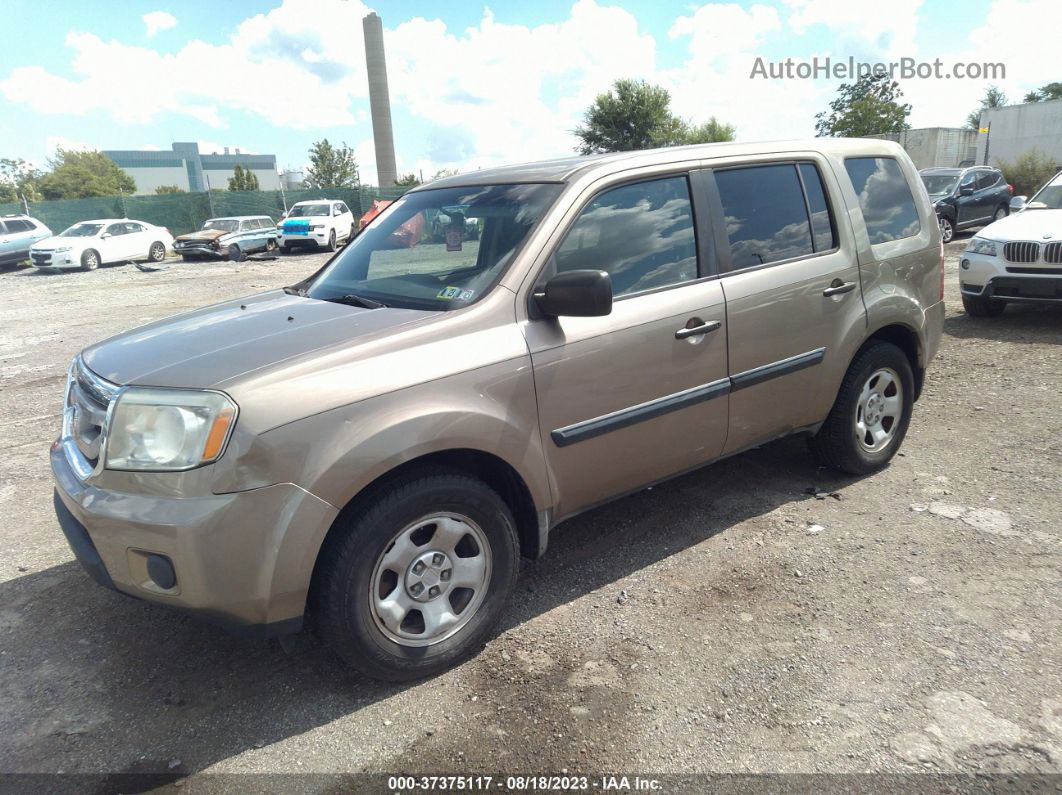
<point>455,294</point>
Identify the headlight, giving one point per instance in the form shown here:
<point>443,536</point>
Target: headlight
<point>61,250</point>
<point>317,226</point>
<point>167,430</point>
<point>978,245</point>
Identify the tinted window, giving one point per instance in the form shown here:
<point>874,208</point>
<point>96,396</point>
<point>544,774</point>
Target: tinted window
<point>969,180</point>
<point>641,234</point>
<point>988,179</point>
<point>821,224</point>
<point>885,198</point>
<point>133,228</point>
<point>15,225</point>
<point>116,229</point>
<point>766,218</point>
<point>342,208</point>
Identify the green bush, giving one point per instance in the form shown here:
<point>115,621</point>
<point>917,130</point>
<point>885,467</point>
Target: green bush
<point>1029,172</point>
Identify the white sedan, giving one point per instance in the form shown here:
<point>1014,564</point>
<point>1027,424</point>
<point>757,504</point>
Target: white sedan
<point>89,244</point>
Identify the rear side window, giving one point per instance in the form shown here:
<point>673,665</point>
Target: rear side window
<point>16,225</point>
<point>885,198</point>
<point>641,234</point>
<point>988,179</point>
<point>765,214</point>
<point>819,212</point>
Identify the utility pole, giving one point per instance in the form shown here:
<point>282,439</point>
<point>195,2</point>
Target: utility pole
<point>988,141</point>
<point>25,204</point>
<point>121,197</point>
<point>210,195</point>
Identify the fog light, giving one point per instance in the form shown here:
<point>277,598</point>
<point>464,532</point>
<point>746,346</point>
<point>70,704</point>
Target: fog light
<point>965,264</point>
<point>161,572</point>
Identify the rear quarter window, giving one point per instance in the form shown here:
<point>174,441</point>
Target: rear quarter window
<point>885,198</point>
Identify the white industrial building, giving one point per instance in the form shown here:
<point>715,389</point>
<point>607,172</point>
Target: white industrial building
<point>191,171</point>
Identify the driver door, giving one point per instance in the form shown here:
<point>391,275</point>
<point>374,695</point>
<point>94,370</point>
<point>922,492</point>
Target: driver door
<point>112,243</point>
<point>640,394</point>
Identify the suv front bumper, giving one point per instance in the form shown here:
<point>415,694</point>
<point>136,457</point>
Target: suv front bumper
<point>993,277</point>
<point>243,560</point>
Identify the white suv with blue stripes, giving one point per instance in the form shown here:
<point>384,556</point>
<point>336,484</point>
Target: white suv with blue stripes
<point>321,223</point>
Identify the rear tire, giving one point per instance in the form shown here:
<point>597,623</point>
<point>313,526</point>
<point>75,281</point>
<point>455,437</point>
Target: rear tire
<point>90,260</point>
<point>157,251</point>
<point>1001,212</point>
<point>947,228</point>
<point>271,245</point>
<point>982,306</point>
<point>368,602</point>
<point>869,419</point>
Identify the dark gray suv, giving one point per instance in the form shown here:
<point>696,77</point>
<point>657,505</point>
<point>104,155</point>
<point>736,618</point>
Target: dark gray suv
<point>965,197</point>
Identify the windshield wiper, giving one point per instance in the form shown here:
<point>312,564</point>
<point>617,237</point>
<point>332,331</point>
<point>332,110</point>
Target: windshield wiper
<point>357,300</point>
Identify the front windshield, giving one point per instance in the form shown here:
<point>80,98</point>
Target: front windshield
<point>1050,195</point>
<point>306,210</point>
<point>224,224</point>
<point>82,230</point>
<point>938,184</point>
<point>437,249</point>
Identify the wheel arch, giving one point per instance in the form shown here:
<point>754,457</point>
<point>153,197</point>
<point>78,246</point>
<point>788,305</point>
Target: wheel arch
<point>907,340</point>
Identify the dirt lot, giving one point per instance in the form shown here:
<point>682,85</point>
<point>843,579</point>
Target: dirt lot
<point>727,621</point>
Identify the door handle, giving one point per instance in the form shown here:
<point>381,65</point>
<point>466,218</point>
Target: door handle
<point>838,287</point>
<point>697,331</point>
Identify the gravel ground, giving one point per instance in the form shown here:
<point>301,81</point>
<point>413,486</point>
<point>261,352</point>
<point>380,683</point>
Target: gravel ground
<point>726,621</point>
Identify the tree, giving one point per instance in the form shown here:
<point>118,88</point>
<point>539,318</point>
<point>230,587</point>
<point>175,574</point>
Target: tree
<point>332,166</point>
<point>1029,172</point>
<point>407,181</point>
<point>994,98</point>
<point>243,179</point>
<point>18,178</point>
<point>634,114</point>
<point>169,189</point>
<point>77,175</point>
<point>870,106</point>
<point>1044,93</point>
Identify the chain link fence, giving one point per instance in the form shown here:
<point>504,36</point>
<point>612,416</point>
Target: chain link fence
<point>186,212</point>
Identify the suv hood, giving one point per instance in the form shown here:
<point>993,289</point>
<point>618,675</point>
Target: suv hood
<point>215,346</point>
<point>1026,225</point>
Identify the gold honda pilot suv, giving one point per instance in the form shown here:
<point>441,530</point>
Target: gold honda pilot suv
<point>371,451</point>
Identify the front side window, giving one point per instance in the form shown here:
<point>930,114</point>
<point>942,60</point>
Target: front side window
<point>885,198</point>
<point>765,214</point>
<point>641,235</point>
<point>397,261</point>
<point>224,224</point>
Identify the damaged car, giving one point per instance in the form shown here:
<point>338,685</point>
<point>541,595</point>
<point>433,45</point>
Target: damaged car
<point>228,238</point>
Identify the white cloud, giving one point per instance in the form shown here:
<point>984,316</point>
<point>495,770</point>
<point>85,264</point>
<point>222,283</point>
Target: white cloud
<point>53,142</point>
<point>867,30</point>
<point>154,21</point>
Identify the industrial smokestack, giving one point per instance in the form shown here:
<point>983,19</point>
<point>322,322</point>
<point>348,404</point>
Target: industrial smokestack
<point>379,101</point>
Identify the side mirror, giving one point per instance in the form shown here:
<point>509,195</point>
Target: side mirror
<point>582,293</point>
<point>105,235</point>
<point>1017,204</point>
<point>966,191</point>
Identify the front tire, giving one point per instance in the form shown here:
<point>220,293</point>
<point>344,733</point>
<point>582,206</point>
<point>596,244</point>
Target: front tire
<point>982,306</point>
<point>869,419</point>
<point>413,582</point>
<point>947,228</point>
<point>331,241</point>
<point>90,260</point>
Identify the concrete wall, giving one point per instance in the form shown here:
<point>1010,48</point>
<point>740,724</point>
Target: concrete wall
<point>931,147</point>
<point>150,177</point>
<point>1015,129</point>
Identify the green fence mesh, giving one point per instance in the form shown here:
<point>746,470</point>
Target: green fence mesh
<point>185,212</point>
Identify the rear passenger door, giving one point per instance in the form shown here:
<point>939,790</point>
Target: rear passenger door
<point>640,394</point>
<point>790,276</point>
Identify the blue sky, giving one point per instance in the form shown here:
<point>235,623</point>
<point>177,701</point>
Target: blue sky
<point>471,84</point>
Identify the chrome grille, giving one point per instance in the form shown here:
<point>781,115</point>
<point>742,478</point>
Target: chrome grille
<point>1053,253</point>
<point>1022,251</point>
<point>88,398</point>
